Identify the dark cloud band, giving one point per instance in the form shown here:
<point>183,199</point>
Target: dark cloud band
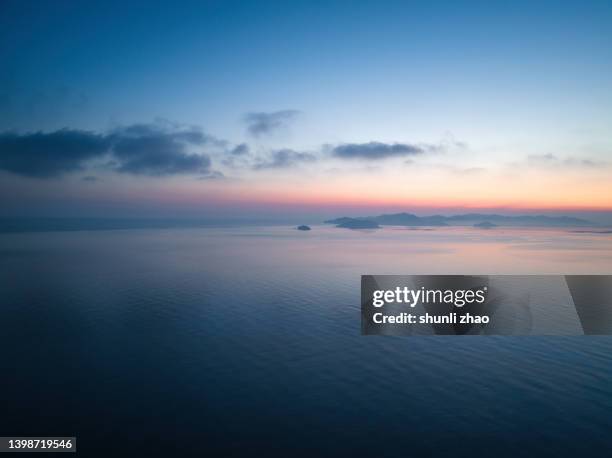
<point>375,150</point>
<point>140,149</point>
<point>44,155</point>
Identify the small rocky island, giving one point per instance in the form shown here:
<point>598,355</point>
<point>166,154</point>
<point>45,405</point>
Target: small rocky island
<point>303,227</point>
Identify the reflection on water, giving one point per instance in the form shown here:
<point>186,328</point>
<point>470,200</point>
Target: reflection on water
<point>247,339</point>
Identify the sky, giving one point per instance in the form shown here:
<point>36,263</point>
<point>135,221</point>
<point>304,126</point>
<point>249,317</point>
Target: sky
<point>263,109</point>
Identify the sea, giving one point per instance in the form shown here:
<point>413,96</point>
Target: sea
<point>186,340</point>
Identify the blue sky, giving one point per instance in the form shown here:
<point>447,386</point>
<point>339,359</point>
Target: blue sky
<point>505,81</point>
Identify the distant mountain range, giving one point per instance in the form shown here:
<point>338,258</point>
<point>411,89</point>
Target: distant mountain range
<point>485,225</point>
<point>469,219</point>
<point>354,223</point>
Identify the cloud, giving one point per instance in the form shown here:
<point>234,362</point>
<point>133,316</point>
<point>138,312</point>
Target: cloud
<point>154,150</point>
<point>138,149</point>
<point>284,158</point>
<point>551,160</point>
<point>376,150</point>
<point>238,156</point>
<point>240,150</point>
<point>212,175</point>
<point>262,123</point>
<point>45,155</point>
<point>542,159</point>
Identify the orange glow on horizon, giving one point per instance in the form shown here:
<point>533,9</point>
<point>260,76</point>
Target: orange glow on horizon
<point>426,192</point>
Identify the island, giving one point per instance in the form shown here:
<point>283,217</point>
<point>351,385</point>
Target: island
<point>397,219</point>
<point>303,227</point>
<point>354,223</point>
<point>470,219</point>
<point>485,225</point>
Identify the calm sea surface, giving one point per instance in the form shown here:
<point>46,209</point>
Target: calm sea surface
<point>246,341</point>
